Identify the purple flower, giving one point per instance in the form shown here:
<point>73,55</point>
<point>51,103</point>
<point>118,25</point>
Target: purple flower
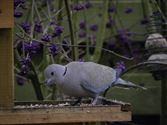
<point>46,38</point>
<point>24,66</point>
<point>120,67</point>
<point>58,31</point>
<point>111,9</point>
<point>32,48</point>
<point>78,7</point>
<point>88,5</point>
<point>38,27</point>
<point>82,34</point>
<point>18,14</point>
<point>53,49</point>
<point>123,35</point>
<point>24,70</point>
<point>25,61</point>
<point>109,24</point>
<point>18,2</point>
<point>111,46</point>
<point>82,24</point>
<point>20,80</point>
<point>26,27</point>
<point>94,27</point>
<point>128,10</point>
<point>53,23</point>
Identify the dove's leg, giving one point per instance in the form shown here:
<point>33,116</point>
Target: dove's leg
<point>94,102</point>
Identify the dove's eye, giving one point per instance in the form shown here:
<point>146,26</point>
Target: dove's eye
<point>52,73</point>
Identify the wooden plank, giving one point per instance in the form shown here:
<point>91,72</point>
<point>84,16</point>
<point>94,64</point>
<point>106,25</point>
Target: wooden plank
<point>64,115</point>
<point>164,98</point>
<point>6,14</point>
<point>6,68</point>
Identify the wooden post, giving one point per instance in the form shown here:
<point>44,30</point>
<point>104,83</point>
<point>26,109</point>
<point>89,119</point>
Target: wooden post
<point>164,99</point>
<point>163,5</point>
<point>6,54</point>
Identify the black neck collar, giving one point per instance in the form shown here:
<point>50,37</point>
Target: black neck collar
<point>65,71</point>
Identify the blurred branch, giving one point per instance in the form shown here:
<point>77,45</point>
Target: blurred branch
<point>72,37</point>
<point>101,33</point>
<point>101,49</point>
<point>144,64</point>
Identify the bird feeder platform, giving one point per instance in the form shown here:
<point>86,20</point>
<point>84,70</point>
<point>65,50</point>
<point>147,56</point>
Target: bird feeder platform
<point>61,112</point>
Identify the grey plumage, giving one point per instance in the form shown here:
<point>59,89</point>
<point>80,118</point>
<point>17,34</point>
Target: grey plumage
<point>84,79</point>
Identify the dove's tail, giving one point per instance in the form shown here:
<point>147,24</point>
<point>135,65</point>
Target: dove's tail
<point>123,83</point>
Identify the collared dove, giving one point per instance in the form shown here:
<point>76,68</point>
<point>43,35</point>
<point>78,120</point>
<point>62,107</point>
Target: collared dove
<point>84,79</point>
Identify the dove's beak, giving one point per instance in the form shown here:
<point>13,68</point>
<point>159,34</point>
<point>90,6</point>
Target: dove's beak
<point>49,82</point>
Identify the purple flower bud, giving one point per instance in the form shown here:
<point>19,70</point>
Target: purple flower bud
<point>88,5</point>
<point>120,67</point>
<point>53,23</point>
<point>53,49</point>
<point>94,27</point>
<point>78,7</point>
<point>128,10</point>
<point>123,35</point>
<point>18,14</point>
<point>111,9</point>
<point>38,27</point>
<point>20,80</point>
<point>46,38</point>
<point>58,31</point>
<point>24,70</point>
<point>26,27</point>
<point>32,48</point>
<point>82,24</point>
<point>82,34</point>
<point>25,61</point>
<point>17,2</point>
<point>111,46</point>
<point>109,24</point>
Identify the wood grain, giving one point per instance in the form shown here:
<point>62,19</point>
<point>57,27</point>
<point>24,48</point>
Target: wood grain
<point>64,115</point>
<point>6,68</point>
<point>6,14</point>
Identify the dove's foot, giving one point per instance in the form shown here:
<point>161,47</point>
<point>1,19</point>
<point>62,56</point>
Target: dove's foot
<point>77,102</point>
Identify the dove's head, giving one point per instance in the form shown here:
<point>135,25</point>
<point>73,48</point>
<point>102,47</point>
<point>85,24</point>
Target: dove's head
<point>54,74</point>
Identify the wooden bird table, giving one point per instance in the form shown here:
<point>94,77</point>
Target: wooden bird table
<point>61,112</point>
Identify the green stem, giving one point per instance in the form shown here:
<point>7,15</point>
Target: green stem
<point>101,33</point>
<point>35,82</point>
<point>32,20</point>
<point>37,11</point>
<point>59,17</point>
<point>49,13</point>
<point>72,37</point>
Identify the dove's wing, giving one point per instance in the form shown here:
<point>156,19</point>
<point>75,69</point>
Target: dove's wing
<point>96,78</point>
